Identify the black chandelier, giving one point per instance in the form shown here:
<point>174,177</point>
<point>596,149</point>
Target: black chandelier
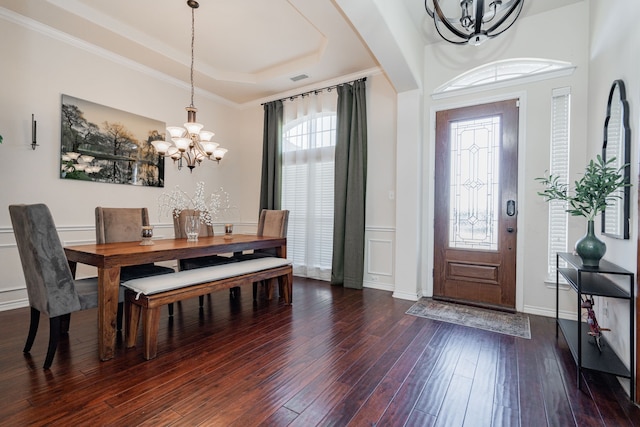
<point>477,22</point>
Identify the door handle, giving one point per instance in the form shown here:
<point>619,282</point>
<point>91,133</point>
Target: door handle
<point>511,207</point>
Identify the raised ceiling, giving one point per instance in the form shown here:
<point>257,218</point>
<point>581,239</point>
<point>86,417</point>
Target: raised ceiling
<point>245,50</point>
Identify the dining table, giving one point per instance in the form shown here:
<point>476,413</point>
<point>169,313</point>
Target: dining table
<point>110,257</point>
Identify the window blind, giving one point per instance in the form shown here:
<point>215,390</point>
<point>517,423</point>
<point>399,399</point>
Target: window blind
<point>559,165</point>
<point>307,192</point>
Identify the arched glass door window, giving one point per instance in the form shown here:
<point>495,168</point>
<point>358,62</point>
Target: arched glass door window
<point>503,73</point>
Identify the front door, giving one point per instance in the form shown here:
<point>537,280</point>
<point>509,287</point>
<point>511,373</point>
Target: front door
<point>476,204</point>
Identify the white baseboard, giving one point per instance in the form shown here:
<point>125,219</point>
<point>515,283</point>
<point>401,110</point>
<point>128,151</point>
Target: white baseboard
<point>378,285</point>
<point>12,305</point>
<point>549,312</point>
<point>406,296</point>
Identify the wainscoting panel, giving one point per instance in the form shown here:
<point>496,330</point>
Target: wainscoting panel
<point>378,270</point>
<point>379,258</point>
<point>13,293</point>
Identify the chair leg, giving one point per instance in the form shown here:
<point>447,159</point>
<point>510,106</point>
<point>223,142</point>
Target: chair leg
<point>201,301</point>
<point>33,329</point>
<point>255,291</point>
<point>170,307</point>
<point>55,323</point>
<point>65,321</point>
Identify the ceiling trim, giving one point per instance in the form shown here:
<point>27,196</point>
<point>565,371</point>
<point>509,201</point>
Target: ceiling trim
<point>309,88</point>
<point>98,18</point>
<point>63,37</point>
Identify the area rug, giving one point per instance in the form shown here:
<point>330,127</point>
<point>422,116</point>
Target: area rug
<point>515,324</point>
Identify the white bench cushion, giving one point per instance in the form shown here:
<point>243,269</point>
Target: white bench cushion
<point>166,282</point>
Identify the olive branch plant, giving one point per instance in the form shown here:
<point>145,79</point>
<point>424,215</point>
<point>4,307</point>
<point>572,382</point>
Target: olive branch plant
<point>592,192</point>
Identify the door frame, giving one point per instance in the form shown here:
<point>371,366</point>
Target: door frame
<point>429,196</point>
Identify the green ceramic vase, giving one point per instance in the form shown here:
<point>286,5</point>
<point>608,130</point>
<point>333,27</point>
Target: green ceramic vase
<point>589,248</point>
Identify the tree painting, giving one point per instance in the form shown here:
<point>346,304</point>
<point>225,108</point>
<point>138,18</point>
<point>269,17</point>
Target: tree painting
<point>104,144</point>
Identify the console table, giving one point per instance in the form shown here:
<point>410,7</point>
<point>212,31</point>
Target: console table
<point>599,281</point>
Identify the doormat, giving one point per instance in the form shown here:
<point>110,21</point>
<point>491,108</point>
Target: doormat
<point>515,324</point>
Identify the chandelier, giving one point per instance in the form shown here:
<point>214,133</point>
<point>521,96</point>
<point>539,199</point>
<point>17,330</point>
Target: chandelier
<point>477,22</point>
<point>190,143</point>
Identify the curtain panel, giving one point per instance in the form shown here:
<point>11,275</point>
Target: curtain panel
<point>271,180</point>
<point>350,186</point>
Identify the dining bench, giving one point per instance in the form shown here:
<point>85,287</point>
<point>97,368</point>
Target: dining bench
<point>145,296</point>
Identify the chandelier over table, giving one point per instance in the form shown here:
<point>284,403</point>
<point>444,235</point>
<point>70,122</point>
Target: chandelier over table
<point>190,144</point>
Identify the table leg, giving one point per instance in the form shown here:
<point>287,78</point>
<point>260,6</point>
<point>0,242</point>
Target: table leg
<point>108,287</point>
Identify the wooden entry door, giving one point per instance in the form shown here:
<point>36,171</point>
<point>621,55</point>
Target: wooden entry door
<point>476,204</point>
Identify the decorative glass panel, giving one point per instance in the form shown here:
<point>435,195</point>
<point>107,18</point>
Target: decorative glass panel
<point>474,184</point>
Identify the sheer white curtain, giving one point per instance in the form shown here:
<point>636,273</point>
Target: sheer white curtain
<point>308,154</point>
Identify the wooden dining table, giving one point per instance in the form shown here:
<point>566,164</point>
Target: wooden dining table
<point>109,257</point>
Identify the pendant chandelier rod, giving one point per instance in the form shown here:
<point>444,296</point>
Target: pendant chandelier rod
<point>194,5</point>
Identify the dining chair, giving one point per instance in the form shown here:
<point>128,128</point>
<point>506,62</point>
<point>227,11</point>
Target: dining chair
<point>125,225</point>
<point>51,288</point>
<point>206,230</point>
<point>272,223</point>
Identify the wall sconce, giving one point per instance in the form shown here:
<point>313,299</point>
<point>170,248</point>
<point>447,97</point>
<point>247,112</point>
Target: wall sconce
<point>34,140</point>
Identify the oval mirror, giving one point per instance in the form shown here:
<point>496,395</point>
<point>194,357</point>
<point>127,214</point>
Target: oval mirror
<point>617,144</point>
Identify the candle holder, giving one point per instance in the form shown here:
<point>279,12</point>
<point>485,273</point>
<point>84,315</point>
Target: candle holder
<point>192,227</point>
<point>228,231</point>
<point>34,139</point>
<point>147,234</point>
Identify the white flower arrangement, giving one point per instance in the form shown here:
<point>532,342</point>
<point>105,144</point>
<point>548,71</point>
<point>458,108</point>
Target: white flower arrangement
<point>178,200</point>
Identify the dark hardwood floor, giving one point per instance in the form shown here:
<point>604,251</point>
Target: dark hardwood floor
<point>337,357</point>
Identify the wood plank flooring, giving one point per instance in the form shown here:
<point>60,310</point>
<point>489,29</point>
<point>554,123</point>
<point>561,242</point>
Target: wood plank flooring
<point>337,357</point>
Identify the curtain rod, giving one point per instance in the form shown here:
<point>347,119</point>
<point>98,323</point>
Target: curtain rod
<point>315,91</point>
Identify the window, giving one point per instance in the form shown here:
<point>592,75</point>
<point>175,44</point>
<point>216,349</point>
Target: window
<point>308,153</point>
<point>503,73</point>
<point>559,165</point>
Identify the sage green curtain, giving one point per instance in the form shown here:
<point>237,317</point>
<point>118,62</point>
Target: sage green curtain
<point>271,182</point>
<point>347,267</point>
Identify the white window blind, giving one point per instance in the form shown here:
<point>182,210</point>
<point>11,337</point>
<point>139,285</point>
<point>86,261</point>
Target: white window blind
<point>559,165</point>
<point>309,137</point>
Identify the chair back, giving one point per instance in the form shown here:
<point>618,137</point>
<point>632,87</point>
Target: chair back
<point>50,284</point>
<point>120,224</point>
<point>179,223</point>
<point>273,223</point>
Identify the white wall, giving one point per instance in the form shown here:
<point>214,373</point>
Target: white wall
<point>45,64</point>
<point>39,69</point>
<point>614,42</point>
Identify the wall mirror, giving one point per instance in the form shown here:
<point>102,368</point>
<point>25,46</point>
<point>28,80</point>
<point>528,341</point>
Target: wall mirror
<point>617,141</point>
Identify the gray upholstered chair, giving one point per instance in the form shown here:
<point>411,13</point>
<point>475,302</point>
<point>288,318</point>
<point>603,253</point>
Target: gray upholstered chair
<point>273,223</point>
<point>125,225</point>
<point>51,288</point>
<point>205,231</point>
